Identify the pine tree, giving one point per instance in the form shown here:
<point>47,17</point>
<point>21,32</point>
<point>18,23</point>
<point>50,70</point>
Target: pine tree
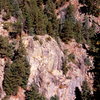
<point>16,73</point>
<point>78,32</point>
<point>70,13</point>
<point>34,18</point>
<point>88,32</point>
<point>67,28</point>
<point>6,49</point>
<point>67,31</point>
<point>39,23</point>
<point>53,23</point>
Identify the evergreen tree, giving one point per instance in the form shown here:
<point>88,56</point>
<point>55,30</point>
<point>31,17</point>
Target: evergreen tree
<point>34,18</point>
<point>78,32</point>
<point>53,23</point>
<point>16,74</point>
<point>28,23</point>
<point>70,13</point>
<point>6,49</point>
<point>60,3</point>
<point>39,23</point>
<point>88,32</point>
<point>67,31</point>
<point>67,28</point>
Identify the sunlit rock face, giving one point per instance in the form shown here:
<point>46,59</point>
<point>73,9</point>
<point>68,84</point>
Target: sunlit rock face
<point>2,65</point>
<point>46,57</point>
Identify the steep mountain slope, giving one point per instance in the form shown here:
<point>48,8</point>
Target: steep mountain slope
<point>56,39</point>
<point>46,58</point>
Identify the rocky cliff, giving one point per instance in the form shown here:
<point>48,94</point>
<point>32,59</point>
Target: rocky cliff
<point>47,57</point>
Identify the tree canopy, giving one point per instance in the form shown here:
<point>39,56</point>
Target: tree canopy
<point>16,73</point>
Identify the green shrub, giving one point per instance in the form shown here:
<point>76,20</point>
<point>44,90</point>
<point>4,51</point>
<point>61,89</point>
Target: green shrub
<point>40,41</point>
<point>48,39</point>
<point>64,67</point>
<point>35,38</point>
<point>71,57</point>
<point>87,62</point>
<point>16,27</point>
<point>65,51</point>
<point>33,94</point>
<point>54,97</point>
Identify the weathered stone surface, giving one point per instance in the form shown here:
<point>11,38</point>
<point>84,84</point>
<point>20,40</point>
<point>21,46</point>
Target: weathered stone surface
<point>45,58</point>
<point>2,65</point>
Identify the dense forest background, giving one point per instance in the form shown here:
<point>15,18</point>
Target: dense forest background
<point>38,17</point>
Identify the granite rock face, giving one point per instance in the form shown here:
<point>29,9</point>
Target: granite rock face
<point>46,58</point>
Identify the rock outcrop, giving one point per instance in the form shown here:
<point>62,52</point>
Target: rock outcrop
<point>46,58</point>
<point>2,65</point>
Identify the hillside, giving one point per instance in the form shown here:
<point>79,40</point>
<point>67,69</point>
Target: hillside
<point>49,49</point>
